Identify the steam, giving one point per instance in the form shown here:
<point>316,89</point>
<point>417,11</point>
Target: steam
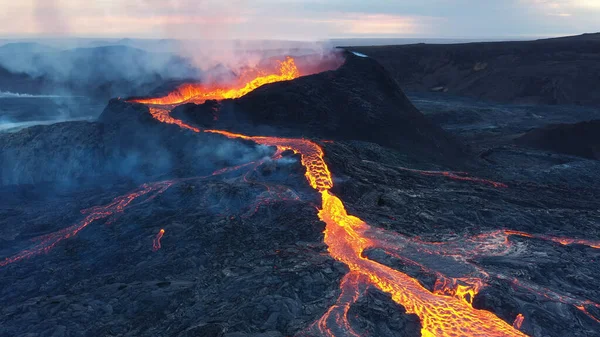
<point>8,126</point>
<point>8,94</point>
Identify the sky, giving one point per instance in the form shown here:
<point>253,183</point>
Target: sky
<point>296,19</point>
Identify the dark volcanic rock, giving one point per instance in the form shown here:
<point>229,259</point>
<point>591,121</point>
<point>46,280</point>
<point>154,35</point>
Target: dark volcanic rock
<point>54,152</point>
<point>358,101</point>
<point>243,252</point>
<point>551,71</point>
<point>126,142</point>
<point>580,139</point>
<point>379,316</point>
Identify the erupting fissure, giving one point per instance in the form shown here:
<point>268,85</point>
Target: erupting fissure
<point>200,93</point>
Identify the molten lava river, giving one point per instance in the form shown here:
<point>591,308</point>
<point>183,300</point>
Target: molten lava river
<point>444,311</point>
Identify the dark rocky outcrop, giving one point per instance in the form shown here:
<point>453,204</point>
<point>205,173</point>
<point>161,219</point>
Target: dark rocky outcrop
<point>579,139</point>
<point>51,152</point>
<point>358,101</point>
<point>126,142</point>
<point>550,71</point>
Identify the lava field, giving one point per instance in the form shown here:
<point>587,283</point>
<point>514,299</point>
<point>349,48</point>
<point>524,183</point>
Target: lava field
<point>298,202</point>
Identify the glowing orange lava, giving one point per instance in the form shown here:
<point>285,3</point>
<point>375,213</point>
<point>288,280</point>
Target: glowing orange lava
<point>446,310</point>
<point>156,242</point>
<point>118,205</point>
<point>440,314</point>
<point>199,93</point>
<point>563,241</point>
<point>518,321</point>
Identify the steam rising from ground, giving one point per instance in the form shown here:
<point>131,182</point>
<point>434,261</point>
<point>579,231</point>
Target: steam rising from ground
<point>102,70</point>
<point>8,94</point>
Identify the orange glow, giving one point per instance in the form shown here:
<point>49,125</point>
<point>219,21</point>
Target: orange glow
<point>115,207</point>
<point>461,289</point>
<point>518,321</point>
<point>200,93</point>
<point>562,240</point>
<point>156,242</point>
<point>118,205</point>
<point>335,321</point>
<point>440,315</point>
<point>163,115</point>
<point>445,313</point>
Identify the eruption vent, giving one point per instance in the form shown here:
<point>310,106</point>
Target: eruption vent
<point>248,81</point>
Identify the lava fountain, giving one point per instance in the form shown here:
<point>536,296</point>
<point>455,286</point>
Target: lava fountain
<point>199,93</point>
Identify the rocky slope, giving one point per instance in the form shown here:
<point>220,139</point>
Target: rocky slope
<point>579,139</point>
<point>358,101</point>
<point>551,71</point>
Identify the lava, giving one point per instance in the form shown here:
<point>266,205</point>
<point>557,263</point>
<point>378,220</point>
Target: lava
<point>335,321</point>
<point>445,310</point>
<point>562,240</point>
<point>156,242</point>
<point>117,205</point>
<point>440,314</point>
<point>518,321</point>
<point>163,115</point>
<point>199,93</point>
<point>452,175</point>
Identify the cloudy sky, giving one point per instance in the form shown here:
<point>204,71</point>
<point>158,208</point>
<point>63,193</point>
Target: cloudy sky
<point>297,19</point>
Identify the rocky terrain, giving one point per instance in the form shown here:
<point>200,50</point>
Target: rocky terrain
<point>242,253</point>
<point>580,139</point>
<point>550,71</point>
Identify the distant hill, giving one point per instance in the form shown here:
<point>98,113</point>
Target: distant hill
<point>25,47</point>
<point>549,71</point>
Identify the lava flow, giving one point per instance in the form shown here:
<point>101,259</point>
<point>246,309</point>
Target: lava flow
<point>440,315</point>
<point>118,205</point>
<point>156,242</point>
<point>199,93</point>
<point>518,321</point>
<point>445,310</point>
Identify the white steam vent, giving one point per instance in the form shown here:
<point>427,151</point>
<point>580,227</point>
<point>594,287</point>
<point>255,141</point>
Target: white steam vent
<point>359,54</point>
